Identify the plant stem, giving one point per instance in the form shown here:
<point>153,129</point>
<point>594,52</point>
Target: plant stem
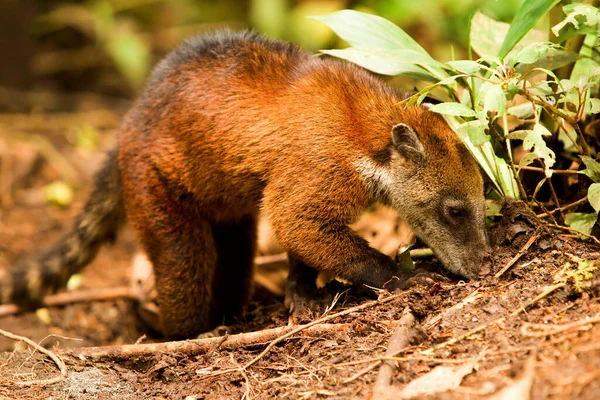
<point>567,228</point>
<point>511,162</point>
<point>548,106</point>
<point>554,171</point>
<point>560,113</point>
<point>574,141</point>
<point>555,197</point>
<point>563,208</point>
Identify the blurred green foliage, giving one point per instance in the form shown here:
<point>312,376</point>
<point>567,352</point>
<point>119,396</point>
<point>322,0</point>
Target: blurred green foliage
<point>130,35</point>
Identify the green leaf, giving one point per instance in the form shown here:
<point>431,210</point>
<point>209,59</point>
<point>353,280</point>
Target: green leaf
<point>530,54</point>
<point>455,109</point>
<point>487,35</point>
<point>527,159</point>
<point>506,178</point>
<point>535,142</point>
<point>368,31</point>
<point>594,196</point>
<point>527,16</point>
<point>551,60</point>
<point>476,131</point>
<point>493,98</point>
<point>567,85</point>
<point>592,106</point>
<point>520,134</point>
<point>522,111</point>
<point>493,208</point>
<point>541,88</point>
<point>465,66</point>
<point>580,19</point>
<point>583,222</point>
<point>386,62</point>
<point>373,36</point>
<point>593,168</point>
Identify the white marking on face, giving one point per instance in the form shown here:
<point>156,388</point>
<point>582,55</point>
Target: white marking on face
<point>377,178</point>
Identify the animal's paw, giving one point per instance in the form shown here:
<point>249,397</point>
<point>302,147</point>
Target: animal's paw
<point>306,303</point>
<point>419,277</point>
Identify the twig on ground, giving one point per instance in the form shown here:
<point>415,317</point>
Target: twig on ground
<point>527,245</point>
<point>271,258</point>
<point>57,360</point>
<point>248,392</point>
<point>198,346</point>
<point>214,348</point>
<point>283,257</point>
<point>319,321</point>
<point>406,332</point>
<point>521,388</point>
<point>362,372</point>
<point>496,321</point>
<point>79,296</point>
<point>567,228</point>
<point>425,252</point>
<point>436,319</point>
<point>540,330</point>
<point>378,360</point>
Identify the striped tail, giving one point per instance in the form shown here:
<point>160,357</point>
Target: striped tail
<point>96,224</point>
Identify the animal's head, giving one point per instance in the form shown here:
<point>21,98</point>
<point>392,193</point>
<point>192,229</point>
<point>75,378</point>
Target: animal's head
<point>434,183</point>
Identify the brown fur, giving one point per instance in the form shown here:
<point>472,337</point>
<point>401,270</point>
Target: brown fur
<point>231,122</point>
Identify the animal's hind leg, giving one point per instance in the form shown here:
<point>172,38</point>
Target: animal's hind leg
<point>232,285</point>
<point>181,248</point>
<point>184,259</point>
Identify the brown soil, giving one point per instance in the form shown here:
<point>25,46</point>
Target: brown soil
<point>566,358</point>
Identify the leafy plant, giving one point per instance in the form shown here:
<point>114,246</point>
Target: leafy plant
<point>510,98</point>
<point>579,273</point>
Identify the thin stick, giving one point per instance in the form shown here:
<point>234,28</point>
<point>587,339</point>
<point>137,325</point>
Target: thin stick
<point>378,360</point>
<point>568,228</point>
<point>469,299</point>
<point>563,208</point>
<point>199,346</point>
<point>78,296</point>
<point>527,245</point>
<point>496,321</point>
<point>555,198</point>
<point>405,332</point>
<point>57,360</point>
<point>320,321</point>
<point>541,330</point>
<point>282,257</point>
<point>554,171</point>
<point>304,327</point>
<point>271,258</point>
<point>425,252</point>
<point>362,372</point>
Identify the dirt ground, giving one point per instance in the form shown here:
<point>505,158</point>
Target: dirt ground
<point>534,331</point>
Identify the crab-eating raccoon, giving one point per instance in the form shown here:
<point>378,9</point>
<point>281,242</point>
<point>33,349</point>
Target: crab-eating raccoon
<point>230,123</point>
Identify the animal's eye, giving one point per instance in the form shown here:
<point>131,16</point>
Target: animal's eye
<point>456,212</point>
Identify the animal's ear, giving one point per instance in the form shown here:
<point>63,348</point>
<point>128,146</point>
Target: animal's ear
<point>407,143</point>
